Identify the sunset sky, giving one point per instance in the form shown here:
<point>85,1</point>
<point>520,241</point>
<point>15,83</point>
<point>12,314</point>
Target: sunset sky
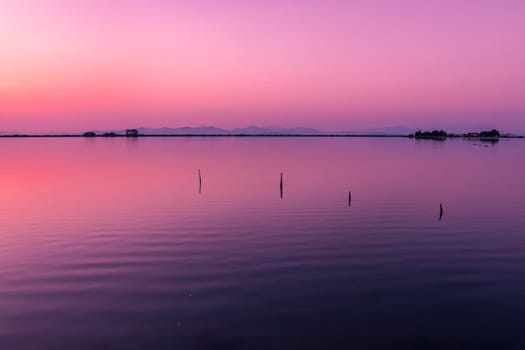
<point>73,65</point>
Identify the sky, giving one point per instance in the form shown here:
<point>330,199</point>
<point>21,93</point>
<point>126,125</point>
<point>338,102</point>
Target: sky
<point>74,65</point>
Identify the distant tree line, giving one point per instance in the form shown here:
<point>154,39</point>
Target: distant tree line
<point>491,133</point>
<point>435,134</point>
<point>129,133</point>
<point>440,134</point>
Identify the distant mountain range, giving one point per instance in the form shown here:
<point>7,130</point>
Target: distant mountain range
<point>250,130</point>
<point>256,130</point>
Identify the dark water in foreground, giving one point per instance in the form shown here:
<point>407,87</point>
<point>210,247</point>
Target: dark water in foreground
<point>107,244</point>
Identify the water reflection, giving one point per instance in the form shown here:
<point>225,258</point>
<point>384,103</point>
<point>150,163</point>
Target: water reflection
<point>104,242</point>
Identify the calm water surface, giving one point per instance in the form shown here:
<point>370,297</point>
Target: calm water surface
<point>108,244</point>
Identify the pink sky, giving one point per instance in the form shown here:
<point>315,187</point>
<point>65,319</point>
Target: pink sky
<point>334,65</point>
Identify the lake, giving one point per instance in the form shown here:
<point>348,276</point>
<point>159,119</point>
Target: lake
<point>108,243</point>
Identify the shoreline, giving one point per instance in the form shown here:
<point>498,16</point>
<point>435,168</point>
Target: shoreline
<point>261,135</point>
<point>195,135</point>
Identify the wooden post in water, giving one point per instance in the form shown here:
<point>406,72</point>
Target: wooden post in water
<point>440,211</point>
<point>281,185</point>
<point>200,181</point>
<point>349,198</point>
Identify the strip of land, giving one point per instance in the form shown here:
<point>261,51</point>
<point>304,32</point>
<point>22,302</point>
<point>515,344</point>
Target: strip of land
<point>492,135</point>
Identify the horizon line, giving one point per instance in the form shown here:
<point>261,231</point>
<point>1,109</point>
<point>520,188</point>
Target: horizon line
<point>263,130</point>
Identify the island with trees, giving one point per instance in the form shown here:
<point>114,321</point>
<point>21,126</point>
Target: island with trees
<point>435,135</point>
<point>489,135</point>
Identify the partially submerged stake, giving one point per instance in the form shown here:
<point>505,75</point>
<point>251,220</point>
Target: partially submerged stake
<point>200,181</point>
<point>349,198</point>
<point>440,211</point>
<point>281,186</point>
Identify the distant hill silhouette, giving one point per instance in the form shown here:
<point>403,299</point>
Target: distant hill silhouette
<point>203,130</point>
<point>211,130</point>
<point>257,130</point>
<point>263,131</point>
<point>389,130</point>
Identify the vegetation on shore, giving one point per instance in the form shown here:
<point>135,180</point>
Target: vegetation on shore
<point>442,135</point>
<point>436,134</point>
